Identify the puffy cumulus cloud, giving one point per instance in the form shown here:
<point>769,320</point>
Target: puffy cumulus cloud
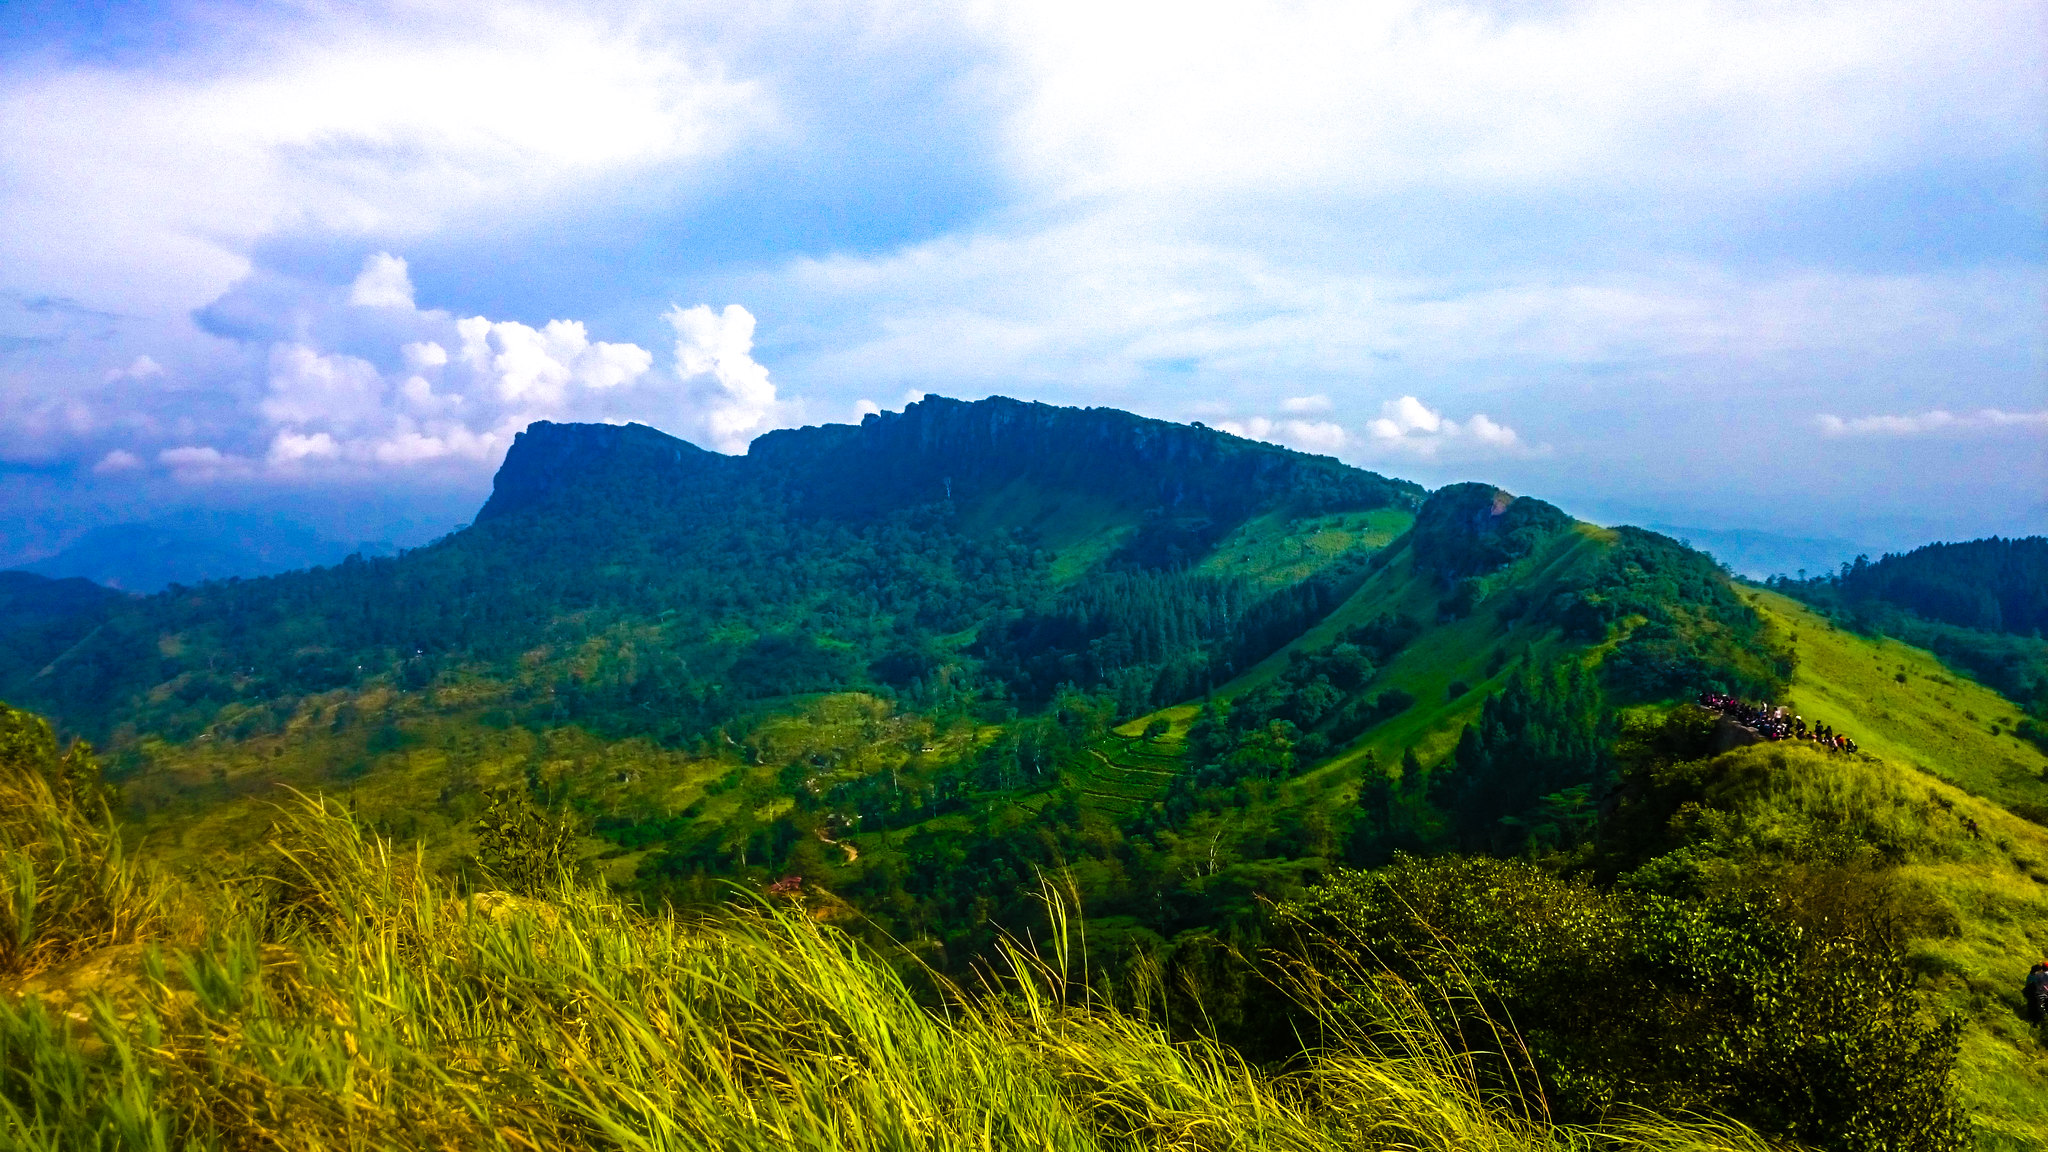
<point>1315,403</point>
<point>141,368</point>
<point>1937,420</point>
<point>204,464</point>
<point>539,366</point>
<point>383,283</point>
<point>715,349</point>
<point>1407,426</point>
<point>422,387</point>
<point>1306,435</point>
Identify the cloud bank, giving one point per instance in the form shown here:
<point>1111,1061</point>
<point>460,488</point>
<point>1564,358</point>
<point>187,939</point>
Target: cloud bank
<point>1938,420</point>
<point>1405,428</point>
<point>420,387</point>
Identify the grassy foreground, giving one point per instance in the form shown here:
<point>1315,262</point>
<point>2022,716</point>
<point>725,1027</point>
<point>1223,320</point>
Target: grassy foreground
<point>336,994</point>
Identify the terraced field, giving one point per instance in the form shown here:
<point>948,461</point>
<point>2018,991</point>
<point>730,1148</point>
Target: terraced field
<point>1127,771</point>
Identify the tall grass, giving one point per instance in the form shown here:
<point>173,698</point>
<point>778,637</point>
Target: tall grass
<point>66,884</point>
<point>340,995</point>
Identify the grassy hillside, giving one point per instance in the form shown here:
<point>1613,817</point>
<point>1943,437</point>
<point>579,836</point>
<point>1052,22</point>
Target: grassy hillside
<point>333,993</point>
<point>928,666</point>
<point>1904,706</point>
<point>1941,751</point>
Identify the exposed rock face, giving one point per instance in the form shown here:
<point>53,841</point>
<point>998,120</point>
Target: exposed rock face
<point>1729,735</point>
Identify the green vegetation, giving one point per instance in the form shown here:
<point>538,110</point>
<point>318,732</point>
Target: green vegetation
<point>1243,710</point>
<point>635,585</point>
<point>1981,606</point>
<point>333,993</point>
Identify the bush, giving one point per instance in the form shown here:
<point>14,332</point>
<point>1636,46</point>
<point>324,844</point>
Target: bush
<point>522,847</point>
<point>1726,1004</point>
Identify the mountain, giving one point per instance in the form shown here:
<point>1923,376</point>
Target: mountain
<point>192,548</point>
<point>631,581</point>
<point>1993,585</point>
<point>929,669</point>
<point>1760,555</point>
<point>1981,604</point>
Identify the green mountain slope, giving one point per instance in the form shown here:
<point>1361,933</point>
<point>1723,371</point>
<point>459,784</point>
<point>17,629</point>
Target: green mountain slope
<point>628,581</point>
<point>1981,605</point>
<point>933,664</point>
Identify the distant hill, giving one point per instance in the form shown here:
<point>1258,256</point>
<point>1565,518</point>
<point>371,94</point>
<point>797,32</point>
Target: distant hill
<point>1981,604</point>
<point>1995,584</point>
<point>40,618</point>
<point>193,548</point>
<point>1760,555</point>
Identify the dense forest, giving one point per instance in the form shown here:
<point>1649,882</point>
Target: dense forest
<point>1982,604</point>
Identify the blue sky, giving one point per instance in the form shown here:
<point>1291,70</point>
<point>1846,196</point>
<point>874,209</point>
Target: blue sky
<point>1741,266</point>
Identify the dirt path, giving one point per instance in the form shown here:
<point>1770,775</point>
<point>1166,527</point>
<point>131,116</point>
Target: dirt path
<point>852,853</point>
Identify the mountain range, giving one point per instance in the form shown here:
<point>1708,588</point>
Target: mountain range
<point>936,661</point>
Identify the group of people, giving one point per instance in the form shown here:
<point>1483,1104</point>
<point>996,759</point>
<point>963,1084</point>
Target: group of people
<point>1775,722</point>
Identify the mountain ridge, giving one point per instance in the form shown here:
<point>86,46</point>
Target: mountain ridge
<point>915,664</point>
<point>943,449</point>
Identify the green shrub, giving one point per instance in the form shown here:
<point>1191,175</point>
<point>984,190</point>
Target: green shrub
<point>1737,1004</point>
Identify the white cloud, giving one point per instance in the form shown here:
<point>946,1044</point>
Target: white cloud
<point>1308,98</point>
<point>1308,436</point>
<point>421,387</point>
<point>424,354</point>
<point>537,366</point>
<point>383,283</point>
<point>1937,420</point>
<point>1409,427</point>
<point>204,464</point>
<point>142,368</point>
<point>144,186</point>
<point>289,448</point>
<point>739,401</point>
<point>1316,403</point>
<point>335,391</point>
<point>864,408</point>
<point>117,461</point>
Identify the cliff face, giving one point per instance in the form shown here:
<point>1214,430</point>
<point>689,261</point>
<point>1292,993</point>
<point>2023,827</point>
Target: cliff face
<point>551,463</point>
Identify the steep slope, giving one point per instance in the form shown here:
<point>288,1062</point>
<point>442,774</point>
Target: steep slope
<point>41,617</point>
<point>1485,587</point>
